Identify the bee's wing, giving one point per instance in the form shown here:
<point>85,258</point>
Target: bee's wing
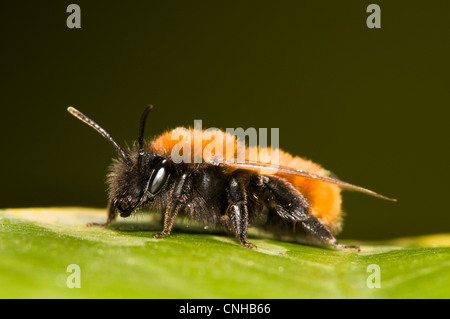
<point>271,169</point>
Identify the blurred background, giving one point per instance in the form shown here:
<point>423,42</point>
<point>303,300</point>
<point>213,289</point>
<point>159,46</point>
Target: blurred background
<point>371,105</point>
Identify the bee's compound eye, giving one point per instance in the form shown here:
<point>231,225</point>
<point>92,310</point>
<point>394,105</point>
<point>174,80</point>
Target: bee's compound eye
<point>159,177</point>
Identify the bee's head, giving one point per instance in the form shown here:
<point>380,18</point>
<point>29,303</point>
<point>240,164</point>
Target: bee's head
<point>138,175</point>
<point>131,186</point>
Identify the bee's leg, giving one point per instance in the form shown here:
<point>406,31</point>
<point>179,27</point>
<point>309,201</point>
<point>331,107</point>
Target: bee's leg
<point>292,206</point>
<point>319,233</point>
<point>169,217</point>
<point>237,208</point>
<point>178,201</point>
<point>112,214</point>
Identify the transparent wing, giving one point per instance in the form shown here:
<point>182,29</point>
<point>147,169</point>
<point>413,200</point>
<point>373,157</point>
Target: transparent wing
<point>298,172</point>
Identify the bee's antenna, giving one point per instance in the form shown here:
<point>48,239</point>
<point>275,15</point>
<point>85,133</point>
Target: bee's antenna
<point>142,129</point>
<point>97,127</point>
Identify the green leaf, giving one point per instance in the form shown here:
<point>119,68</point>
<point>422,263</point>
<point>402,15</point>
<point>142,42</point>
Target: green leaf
<point>125,261</point>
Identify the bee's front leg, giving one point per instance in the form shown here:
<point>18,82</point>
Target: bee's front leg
<point>179,198</point>
<point>112,214</point>
<point>169,217</point>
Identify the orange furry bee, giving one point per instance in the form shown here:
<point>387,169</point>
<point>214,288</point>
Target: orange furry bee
<point>295,195</point>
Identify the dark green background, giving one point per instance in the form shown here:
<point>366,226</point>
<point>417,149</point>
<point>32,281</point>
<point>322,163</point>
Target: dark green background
<point>369,104</point>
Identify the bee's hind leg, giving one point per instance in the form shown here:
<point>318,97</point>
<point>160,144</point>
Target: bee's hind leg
<point>294,208</point>
<point>321,234</point>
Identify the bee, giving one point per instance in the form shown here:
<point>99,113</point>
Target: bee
<point>296,195</point>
